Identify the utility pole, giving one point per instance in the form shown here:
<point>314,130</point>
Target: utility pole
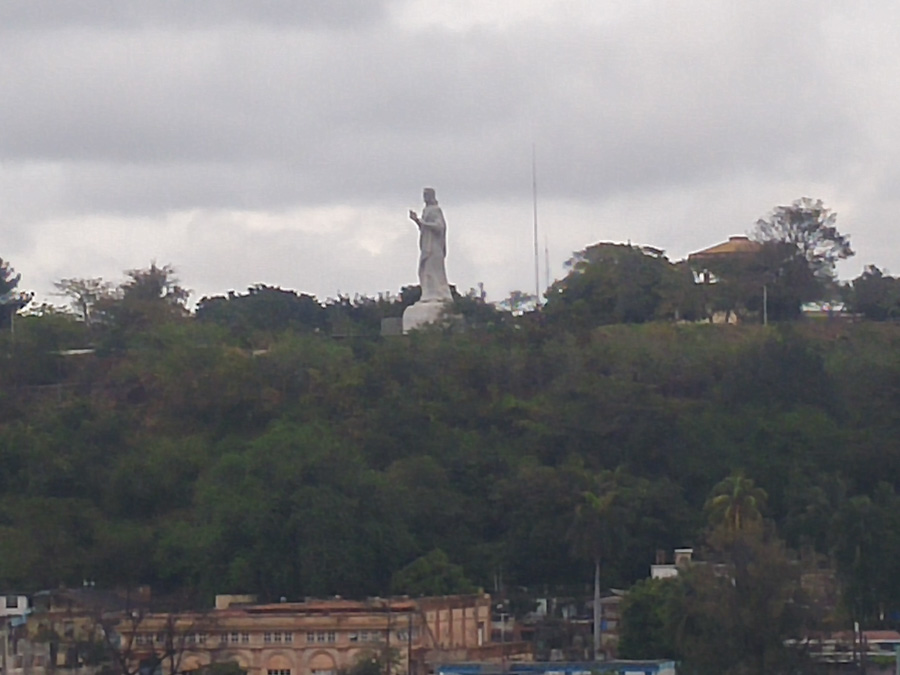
<point>387,651</point>
<point>503,616</point>
<point>4,645</point>
<point>409,630</point>
<point>597,617</point>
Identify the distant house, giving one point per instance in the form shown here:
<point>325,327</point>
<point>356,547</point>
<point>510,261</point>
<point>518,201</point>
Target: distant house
<point>845,651</point>
<point>738,246</point>
<point>15,604</point>
<point>663,570</point>
<point>731,259</point>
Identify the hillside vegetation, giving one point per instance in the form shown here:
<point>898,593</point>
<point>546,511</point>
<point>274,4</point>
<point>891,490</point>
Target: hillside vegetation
<point>184,453</point>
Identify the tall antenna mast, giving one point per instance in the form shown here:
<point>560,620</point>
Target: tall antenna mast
<point>546,262</point>
<point>537,277</point>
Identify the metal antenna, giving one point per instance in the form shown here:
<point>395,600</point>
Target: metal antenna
<point>546,262</point>
<point>537,277</point>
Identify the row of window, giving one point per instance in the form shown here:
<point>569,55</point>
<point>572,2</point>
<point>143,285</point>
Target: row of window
<point>320,636</point>
<point>234,638</point>
<point>277,637</point>
<point>163,637</point>
<point>271,637</point>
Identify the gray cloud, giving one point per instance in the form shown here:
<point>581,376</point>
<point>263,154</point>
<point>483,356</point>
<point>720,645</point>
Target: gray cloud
<point>41,15</point>
<point>685,121</point>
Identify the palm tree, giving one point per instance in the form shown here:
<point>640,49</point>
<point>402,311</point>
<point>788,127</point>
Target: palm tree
<point>736,502</point>
<point>601,518</point>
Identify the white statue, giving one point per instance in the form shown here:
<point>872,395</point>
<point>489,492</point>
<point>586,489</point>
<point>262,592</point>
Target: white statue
<point>436,301</point>
<point>432,249</point>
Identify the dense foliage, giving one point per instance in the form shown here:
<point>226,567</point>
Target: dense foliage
<point>273,444</point>
<point>743,609</point>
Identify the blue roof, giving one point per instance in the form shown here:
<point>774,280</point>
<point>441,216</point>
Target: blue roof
<point>553,667</point>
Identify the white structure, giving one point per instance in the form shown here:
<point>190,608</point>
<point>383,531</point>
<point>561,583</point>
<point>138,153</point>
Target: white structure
<point>14,605</point>
<point>436,298</point>
<point>683,558</point>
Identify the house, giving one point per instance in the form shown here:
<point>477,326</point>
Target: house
<point>14,605</point>
<point>846,651</point>
<point>18,654</point>
<point>737,247</point>
<point>663,570</point>
<point>729,260</point>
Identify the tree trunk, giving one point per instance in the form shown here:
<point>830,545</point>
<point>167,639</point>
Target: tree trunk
<point>596,609</point>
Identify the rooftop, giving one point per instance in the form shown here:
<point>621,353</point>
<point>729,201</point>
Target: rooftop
<point>736,245</point>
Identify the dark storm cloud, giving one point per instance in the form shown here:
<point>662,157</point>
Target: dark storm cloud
<point>299,116</point>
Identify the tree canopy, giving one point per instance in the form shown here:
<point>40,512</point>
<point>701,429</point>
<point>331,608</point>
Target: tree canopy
<point>274,444</point>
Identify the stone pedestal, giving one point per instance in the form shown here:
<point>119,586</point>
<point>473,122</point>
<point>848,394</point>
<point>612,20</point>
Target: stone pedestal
<point>425,313</point>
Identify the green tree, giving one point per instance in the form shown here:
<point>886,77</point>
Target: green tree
<point>866,547</point>
<point>808,228</point>
<point>617,283</point>
<point>875,295</point>
<point>149,298</point>
<point>11,298</point>
<point>601,524</point>
<point>84,294</point>
<point>650,615</point>
<point>263,309</point>
<point>432,574</point>
<point>744,611</point>
<point>801,246</point>
<point>736,503</point>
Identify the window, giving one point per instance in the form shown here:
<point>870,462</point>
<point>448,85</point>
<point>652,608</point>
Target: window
<point>313,636</point>
<point>245,638</point>
<point>276,636</point>
<point>267,638</point>
<point>12,602</point>
<point>288,637</point>
<point>278,671</point>
<point>353,637</point>
<point>139,639</point>
<point>201,638</point>
<point>235,638</point>
<point>223,638</point>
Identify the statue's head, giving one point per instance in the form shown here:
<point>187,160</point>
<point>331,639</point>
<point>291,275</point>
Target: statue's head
<point>428,196</point>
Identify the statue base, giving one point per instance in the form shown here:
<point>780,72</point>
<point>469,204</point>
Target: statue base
<point>428,313</point>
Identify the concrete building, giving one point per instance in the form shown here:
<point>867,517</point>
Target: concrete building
<point>314,637</point>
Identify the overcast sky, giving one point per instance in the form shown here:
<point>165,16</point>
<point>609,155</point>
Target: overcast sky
<point>283,141</point>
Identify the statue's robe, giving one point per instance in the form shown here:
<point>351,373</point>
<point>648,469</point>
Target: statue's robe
<point>432,252</point>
